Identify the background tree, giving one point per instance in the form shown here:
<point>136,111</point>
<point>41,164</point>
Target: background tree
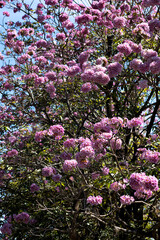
<point>80,120</point>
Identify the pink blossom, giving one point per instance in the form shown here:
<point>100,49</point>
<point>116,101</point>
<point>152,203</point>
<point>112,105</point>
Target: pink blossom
<point>135,122</point>
<point>48,171</point>
<point>69,165</point>
<point>41,43</point>
<point>87,151</point>
<point>6,228</point>
<point>124,48</point>
<point>56,177</point>
<point>86,87</point>
<point>60,36</point>
<point>56,130</point>
<point>116,143</point>
<point>148,53</point>
<point>12,139</point>
<point>102,61</point>
<point>151,156</point>
<point>155,66</point>
<point>22,217</point>
<point>136,180</point>
<point>69,143</point>
<point>116,186</point>
<point>101,78</point>
<point>23,58</point>
<point>84,18</point>
<point>12,153</point>
<point>34,188</point>
<point>135,63</point>
<point>7,14</point>
<point>98,4</point>
<point>51,2</point>
<point>126,200</point>
<point>119,22</point>
<point>83,57</point>
<point>72,71</point>
<point>2,4</point>
<point>151,183</point>
<point>114,69</point>
<point>40,135</point>
<point>94,200</point>
<point>51,89</point>
<point>105,171</point>
<point>63,17</point>
<point>51,76</point>
<point>84,142</point>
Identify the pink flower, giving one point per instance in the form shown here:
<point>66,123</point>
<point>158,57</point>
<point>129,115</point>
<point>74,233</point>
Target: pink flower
<point>69,165</point>
<point>41,43</point>
<point>86,87</point>
<point>7,14</point>
<point>116,143</point>
<point>56,177</point>
<point>12,153</point>
<point>116,186</point>
<point>56,130</point>
<point>34,188</point>
<point>105,171</point>
<point>119,22</point>
<point>94,200</point>
<point>151,156</point>
<point>51,2</point>
<point>151,183</point>
<point>135,122</point>
<point>135,63</point>
<point>136,180</point>
<point>48,171</point>
<point>126,200</point>
<point>6,228</point>
<point>51,89</point>
<point>84,18</point>
<point>83,57</point>
<point>125,49</point>
<point>155,66</point>
<point>72,71</point>
<point>69,143</point>
<point>101,78</point>
<point>40,135</point>
<point>60,36</point>
<point>114,69</point>
<point>148,53</point>
<point>22,217</point>
<point>63,17</point>
<point>87,151</point>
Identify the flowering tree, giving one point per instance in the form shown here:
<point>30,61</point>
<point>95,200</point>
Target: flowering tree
<point>79,120</point>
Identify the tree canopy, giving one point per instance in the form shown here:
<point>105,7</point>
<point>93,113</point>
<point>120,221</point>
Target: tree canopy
<point>79,120</point>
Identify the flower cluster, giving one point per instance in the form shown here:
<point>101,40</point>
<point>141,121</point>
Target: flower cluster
<point>56,131</point>
<point>22,218</point>
<point>48,171</point>
<point>94,200</point>
<point>105,170</point>
<point>126,200</point>
<point>151,156</point>
<point>116,186</point>
<point>34,188</point>
<point>144,185</point>
<point>69,165</point>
